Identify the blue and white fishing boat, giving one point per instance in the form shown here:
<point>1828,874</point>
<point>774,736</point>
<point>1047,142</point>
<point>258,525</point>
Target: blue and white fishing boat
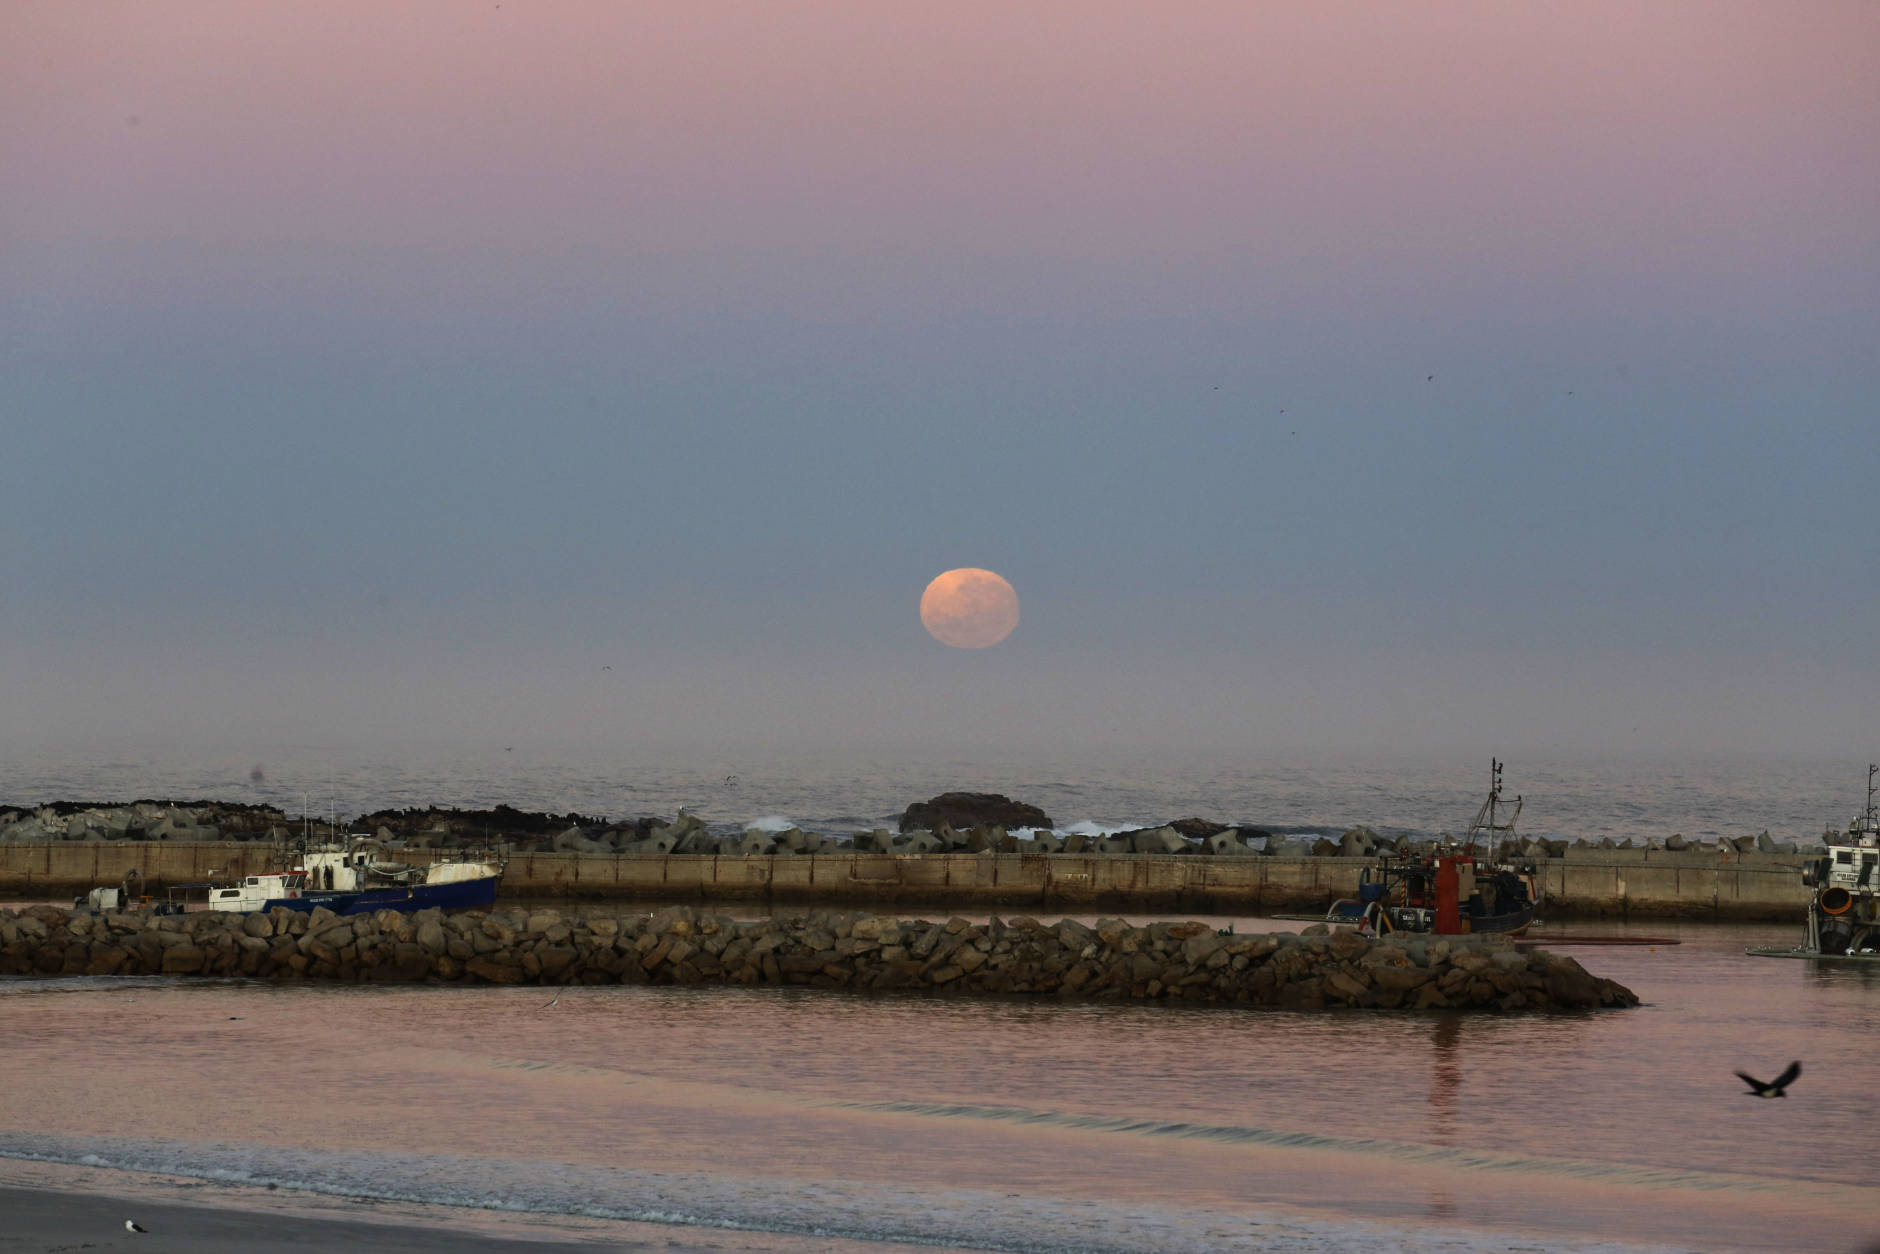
<point>357,877</point>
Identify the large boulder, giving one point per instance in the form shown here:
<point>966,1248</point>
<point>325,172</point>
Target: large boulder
<point>687,833</point>
<point>1198,829</point>
<point>1360,842</point>
<point>1226,844</point>
<point>575,840</point>
<point>920,842</point>
<point>966,810</point>
<point>1158,840</point>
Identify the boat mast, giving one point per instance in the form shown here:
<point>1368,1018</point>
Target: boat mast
<point>1494,796</point>
<point>1486,819</point>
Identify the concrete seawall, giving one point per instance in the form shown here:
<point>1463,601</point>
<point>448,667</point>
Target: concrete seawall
<point>1586,883</point>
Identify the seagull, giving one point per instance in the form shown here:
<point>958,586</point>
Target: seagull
<point>1774,1087</point>
<point>556,999</point>
<point>607,668</point>
<point>1429,378</point>
<point>131,1225</point>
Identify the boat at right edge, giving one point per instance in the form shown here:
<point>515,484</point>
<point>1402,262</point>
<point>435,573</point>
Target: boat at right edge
<point>1844,913</point>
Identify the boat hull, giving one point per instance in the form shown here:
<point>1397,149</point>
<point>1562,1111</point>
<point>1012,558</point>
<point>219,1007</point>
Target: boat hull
<point>1812,954</point>
<point>1508,923</point>
<point>461,895</point>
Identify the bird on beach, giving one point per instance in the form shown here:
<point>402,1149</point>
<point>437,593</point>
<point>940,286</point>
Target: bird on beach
<point>1774,1087</point>
<point>131,1225</point>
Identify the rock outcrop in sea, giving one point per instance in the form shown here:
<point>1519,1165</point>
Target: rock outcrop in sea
<point>966,810</point>
<point>1113,960</point>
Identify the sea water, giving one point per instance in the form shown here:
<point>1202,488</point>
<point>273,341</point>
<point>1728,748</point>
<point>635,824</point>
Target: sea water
<point>994,1124</point>
<point>1586,798</point>
<point>813,1118</point>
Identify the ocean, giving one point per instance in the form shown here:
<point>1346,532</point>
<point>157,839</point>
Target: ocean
<point>805,1120</point>
<point>1565,798</point>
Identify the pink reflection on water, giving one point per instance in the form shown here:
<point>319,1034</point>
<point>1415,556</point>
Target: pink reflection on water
<point>1620,1125</point>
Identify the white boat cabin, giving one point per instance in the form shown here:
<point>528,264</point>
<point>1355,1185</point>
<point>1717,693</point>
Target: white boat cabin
<point>1855,865</point>
<point>255,891</point>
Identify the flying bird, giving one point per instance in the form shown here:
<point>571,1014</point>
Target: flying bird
<point>131,1225</point>
<point>1774,1087</point>
<point>1429,378</point>
<point>557,998</point>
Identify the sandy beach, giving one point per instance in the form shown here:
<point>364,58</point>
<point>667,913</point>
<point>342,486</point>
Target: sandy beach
<point>42,1221</point>
<point>57,1209</point>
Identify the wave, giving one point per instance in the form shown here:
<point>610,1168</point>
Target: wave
<point>1011,1223</point>
<point>1403,1151</point>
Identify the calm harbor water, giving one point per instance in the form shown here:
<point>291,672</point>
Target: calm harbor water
<point>1007,1125</point>
<point>792,1120</point>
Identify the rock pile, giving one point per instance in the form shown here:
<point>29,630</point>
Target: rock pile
<point>823,948</point>
<point>972,809</point>
<point>949,823</point>
<point>143,820</point>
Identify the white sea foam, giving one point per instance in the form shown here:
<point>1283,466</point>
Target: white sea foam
<point>771,823</point>
<point>1098,827</point>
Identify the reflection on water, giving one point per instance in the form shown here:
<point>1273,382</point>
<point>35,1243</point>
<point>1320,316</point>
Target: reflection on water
<point>1027,1123</point>
<point>1445,1082</point>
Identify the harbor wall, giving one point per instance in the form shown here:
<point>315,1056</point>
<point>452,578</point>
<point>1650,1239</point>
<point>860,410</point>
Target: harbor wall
<point>832,949</point>
<point>1705,884</point>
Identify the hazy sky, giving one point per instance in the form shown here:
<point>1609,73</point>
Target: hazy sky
<point>384,372</point>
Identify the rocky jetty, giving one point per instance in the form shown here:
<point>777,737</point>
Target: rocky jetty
<point>1189,962</point>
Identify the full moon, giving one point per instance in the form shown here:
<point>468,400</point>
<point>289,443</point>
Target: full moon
<point>969,608</point>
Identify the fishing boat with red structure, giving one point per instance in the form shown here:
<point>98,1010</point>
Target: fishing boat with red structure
<point>1455,888</point>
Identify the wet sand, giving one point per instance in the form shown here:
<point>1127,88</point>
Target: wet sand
<point>58,1209</point>
<point>42,1221</point>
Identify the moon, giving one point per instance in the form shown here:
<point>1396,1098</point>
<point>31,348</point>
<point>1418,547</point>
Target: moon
<point>969,608</point>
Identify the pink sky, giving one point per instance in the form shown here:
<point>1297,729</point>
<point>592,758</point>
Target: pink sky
<point>1548,136</point>
<point>1363,356</point>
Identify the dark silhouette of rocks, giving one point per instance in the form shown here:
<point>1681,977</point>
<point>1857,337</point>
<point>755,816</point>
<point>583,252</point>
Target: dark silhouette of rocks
<point>831,949</point>
<point>503,822</point>
<point>964,810</point>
